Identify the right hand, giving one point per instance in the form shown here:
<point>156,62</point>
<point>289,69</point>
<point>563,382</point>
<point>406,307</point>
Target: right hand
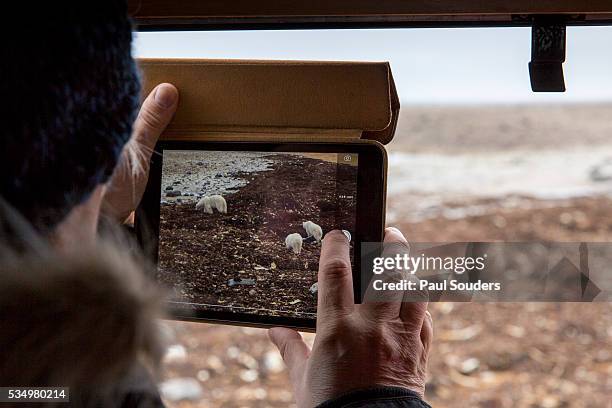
<point>356,346</point>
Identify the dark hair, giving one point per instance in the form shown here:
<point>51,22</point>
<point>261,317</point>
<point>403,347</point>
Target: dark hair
<point>70,91</point>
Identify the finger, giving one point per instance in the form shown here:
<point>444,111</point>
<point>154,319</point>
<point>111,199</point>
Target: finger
<point>414,303</point>
<point>335,277</point>
<point>129,179</point>
<point>427,332</point>
<point>413,313</point>
<point>386,304</point>
<point>155,114</point>
<point>292,348</point>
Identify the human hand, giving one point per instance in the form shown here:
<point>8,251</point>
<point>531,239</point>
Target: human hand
<point>129,180</point>
<point>356,346</point>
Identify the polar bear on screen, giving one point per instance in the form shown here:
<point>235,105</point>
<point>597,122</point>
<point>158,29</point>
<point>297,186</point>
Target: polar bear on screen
<point>313,230</point>
<point>294,242</point>
<point>208,203</point>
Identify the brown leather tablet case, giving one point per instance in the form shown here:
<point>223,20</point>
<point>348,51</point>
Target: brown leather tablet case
<point>278,101</point>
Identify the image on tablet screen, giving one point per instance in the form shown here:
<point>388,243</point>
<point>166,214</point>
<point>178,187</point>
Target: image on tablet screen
<point>241,231</point>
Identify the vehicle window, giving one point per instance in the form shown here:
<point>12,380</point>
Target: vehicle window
<point>477,156</point>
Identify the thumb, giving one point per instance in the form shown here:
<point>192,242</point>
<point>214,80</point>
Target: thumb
<point>292,348</point>
<point>155,114</point>
<point>129,179</point>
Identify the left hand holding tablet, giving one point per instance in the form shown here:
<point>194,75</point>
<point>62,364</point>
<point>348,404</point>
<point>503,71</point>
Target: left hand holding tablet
<point>127,185</point>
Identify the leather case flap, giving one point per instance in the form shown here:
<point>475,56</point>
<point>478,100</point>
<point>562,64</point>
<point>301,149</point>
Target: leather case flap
<point>262,100</point>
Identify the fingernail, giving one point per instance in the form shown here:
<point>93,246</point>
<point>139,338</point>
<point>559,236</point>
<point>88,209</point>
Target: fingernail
<point>165,95</point>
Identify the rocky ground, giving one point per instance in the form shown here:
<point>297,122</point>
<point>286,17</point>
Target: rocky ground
<point>504,355</point>
<point>526,355</point>
<point>238,261</point>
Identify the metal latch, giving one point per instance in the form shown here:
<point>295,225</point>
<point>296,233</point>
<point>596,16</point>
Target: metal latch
<point>548,37</point>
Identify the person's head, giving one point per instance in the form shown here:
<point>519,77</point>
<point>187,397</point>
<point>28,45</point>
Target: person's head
<point>70,92</point>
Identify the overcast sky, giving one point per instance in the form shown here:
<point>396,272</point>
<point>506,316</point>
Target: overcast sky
<point>431,66</point>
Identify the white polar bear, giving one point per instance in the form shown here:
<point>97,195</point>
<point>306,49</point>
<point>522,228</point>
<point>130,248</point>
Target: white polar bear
<point>219,203</point>
<point>214,201</point>
<point>294,242</point>
<point>205,204</point>
<point>313,230</point>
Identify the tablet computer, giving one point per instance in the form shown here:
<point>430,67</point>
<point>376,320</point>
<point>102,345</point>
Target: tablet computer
<point>235,228</point>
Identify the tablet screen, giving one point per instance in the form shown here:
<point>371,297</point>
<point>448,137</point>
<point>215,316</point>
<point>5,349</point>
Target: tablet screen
<point>240,231</point>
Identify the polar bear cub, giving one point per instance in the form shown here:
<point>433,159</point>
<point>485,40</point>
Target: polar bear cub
<point>313,230</point>
<point>294,242</point>
<point>208,203</point>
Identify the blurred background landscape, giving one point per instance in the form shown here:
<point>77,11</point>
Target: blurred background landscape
<point>477,157</point>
